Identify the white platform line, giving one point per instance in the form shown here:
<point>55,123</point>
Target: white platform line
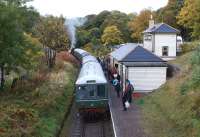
<point>113,123</point>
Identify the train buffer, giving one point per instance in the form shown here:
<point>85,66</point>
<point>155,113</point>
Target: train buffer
<point>125,123</point>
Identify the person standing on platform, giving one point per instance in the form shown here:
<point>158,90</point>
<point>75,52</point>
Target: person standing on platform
<point>124,98</point>
<point>127,94</point>
<point>130,89</point>
<point>116,84</point>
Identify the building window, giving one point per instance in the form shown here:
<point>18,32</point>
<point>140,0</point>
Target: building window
<point>147,37</point>
<point>165,51</point>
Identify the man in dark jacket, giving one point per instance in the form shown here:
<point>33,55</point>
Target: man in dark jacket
<point>127,94</point>
<point>130,90</point>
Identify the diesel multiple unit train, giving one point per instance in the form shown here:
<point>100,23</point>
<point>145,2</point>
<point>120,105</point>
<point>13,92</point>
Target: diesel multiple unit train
<point>91,84</point>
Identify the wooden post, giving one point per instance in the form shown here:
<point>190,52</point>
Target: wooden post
<point>2,77</point>
<point>50,56</point>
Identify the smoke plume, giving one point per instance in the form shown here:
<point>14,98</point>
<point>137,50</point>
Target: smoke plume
<point>71,28</point>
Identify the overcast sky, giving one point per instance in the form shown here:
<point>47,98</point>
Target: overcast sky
<point>80,8</point>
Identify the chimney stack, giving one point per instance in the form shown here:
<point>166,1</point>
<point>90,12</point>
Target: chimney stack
<point>151,21</point>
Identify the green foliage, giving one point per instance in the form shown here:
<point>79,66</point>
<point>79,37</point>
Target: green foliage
<point>120,20</point>
<point>189,16</point>
<point>196,77</point>
<point>139,24</point>
<point>195,59</point>
<point>187,47</point>
<point>38,109</point>
<point>174,108</point>
<point>96,20</point>
<point>92,30</point>
<point>52,33</point>
<point>184,88</point>
<point>111,36</point>
<point>83,37</point>
<point>168,13</point>
<point>15,47</point>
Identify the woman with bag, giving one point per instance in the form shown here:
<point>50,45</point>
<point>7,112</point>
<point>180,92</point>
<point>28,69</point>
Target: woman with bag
<point>127,95</point>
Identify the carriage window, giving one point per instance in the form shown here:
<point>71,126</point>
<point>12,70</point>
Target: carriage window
<point>101,91</point>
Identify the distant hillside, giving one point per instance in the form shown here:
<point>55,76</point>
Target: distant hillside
<point>174,109</point>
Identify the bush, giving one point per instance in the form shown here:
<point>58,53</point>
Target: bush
<point>196,78</point>
<point>195,60</point>
<point>184,88</point>
<point>187,47</point>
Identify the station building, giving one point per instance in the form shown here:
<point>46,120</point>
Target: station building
<point>145,70</point>
<point>162,40</point>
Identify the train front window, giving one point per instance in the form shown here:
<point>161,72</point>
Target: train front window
<point>101,90</point>
<point>82,92</point>
<point>82,88</point>
<point>92,93</point>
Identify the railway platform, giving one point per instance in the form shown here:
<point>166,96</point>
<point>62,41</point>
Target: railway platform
<point>125,123</point>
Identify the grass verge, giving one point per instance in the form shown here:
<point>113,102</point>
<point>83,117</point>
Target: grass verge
<point>170,111</point>
<point>38,110</point>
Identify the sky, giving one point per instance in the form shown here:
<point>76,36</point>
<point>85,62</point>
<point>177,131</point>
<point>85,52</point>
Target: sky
<point>81,8</point>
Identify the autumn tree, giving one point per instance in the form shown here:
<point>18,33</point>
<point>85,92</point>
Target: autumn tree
<point>168,13</point>
<point>16,48</point>
<point>111,36</point>
<point>190,17</point>
<point>139,24</point>
<point>120,20</point>
<point>52,33</point>
<point>92,30</point>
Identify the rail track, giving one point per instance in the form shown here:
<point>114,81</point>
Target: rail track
<point>84,128</point>
<point>94,129</point>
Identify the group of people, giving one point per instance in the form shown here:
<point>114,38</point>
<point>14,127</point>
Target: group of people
<point>114,77</point>
<point>116,82</point>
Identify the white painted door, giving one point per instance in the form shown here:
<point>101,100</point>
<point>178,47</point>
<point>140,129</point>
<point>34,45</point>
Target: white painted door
<point>146,79</point>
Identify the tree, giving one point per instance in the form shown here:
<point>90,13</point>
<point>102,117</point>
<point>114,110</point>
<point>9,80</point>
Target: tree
<point>111,36</point>
<point>189,17</point>
<point>83,37</point>
<point>16,50</point>
<point>120,20</point>
<point>52,33</point>
<point>96,20</point>
<point>168,13</point>
<point>139,24</point>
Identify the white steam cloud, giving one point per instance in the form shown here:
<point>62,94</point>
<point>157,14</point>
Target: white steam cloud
<point>71,28</point>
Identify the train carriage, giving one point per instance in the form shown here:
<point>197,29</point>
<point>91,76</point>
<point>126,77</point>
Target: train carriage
<point>91,84</point>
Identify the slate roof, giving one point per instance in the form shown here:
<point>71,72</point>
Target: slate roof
<point>123,50</point>
<point>132,52</point>
<point>161,28</point>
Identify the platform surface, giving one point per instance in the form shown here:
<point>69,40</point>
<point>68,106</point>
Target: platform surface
<point>126,123</point>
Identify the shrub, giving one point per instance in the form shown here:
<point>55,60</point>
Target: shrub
<point>195,60</point>
<point>196,77</point>
<point>187,47</point>
<point>184,88</point>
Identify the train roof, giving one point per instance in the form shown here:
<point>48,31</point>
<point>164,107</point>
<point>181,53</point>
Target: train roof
<point>91,72</point>
<point>80,51</point>
<point>89,58</point>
